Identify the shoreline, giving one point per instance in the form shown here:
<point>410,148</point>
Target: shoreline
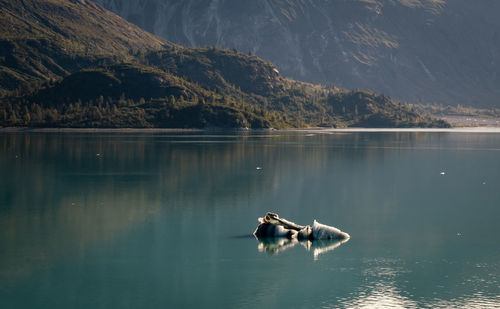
<point>466,129</point>
<point>97,130</point>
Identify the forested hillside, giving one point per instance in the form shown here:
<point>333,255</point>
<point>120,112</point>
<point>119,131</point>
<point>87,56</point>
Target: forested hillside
<point>73,64</point>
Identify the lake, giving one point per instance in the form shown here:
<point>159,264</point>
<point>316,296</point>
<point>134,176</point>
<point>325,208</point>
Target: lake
<point>165,219</point>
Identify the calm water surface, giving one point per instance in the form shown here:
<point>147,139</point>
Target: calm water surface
<point>164,220</point>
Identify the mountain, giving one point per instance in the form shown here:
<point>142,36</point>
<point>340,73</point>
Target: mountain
<point>42,40</point>
<point>71,63</point>
<point>419,51</point>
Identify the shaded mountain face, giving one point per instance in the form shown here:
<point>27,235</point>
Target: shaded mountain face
<point>41,40</point>
<point>71,63</point>
<point>420,51</point>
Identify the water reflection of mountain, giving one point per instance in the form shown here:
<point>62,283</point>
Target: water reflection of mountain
<point>190,165</point>
<point>66,193</point>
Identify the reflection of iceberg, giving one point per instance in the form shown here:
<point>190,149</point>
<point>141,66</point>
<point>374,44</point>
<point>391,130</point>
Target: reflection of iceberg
<point>324,246</point>
<point>276,245</point>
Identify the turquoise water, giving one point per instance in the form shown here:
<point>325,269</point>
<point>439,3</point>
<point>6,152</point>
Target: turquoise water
<point>164,220</point>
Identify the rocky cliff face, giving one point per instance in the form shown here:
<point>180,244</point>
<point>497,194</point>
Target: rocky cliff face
<point>429,51</point>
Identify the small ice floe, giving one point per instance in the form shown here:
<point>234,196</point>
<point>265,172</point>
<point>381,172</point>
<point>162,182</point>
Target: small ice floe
<point>459,234</point>
<point>258,168</point>
<point>442,173</point>
<point>272,226</point>
<point>276,235</point>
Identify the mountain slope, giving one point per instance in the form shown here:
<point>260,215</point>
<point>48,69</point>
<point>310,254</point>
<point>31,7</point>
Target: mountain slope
<point>420,51</point>
<point>65,67</point>
<point>42,40</point>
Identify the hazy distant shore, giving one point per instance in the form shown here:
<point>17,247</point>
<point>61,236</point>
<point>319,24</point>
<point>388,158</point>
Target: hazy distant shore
<point>472,121</point>
<point>429,130</point>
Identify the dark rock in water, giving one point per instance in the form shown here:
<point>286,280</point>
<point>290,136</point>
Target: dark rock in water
<point>272,226</point>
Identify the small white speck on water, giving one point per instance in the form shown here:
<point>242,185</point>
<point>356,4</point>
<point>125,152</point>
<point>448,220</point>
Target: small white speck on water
<point>258,168</point>
<point>442,173</point>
